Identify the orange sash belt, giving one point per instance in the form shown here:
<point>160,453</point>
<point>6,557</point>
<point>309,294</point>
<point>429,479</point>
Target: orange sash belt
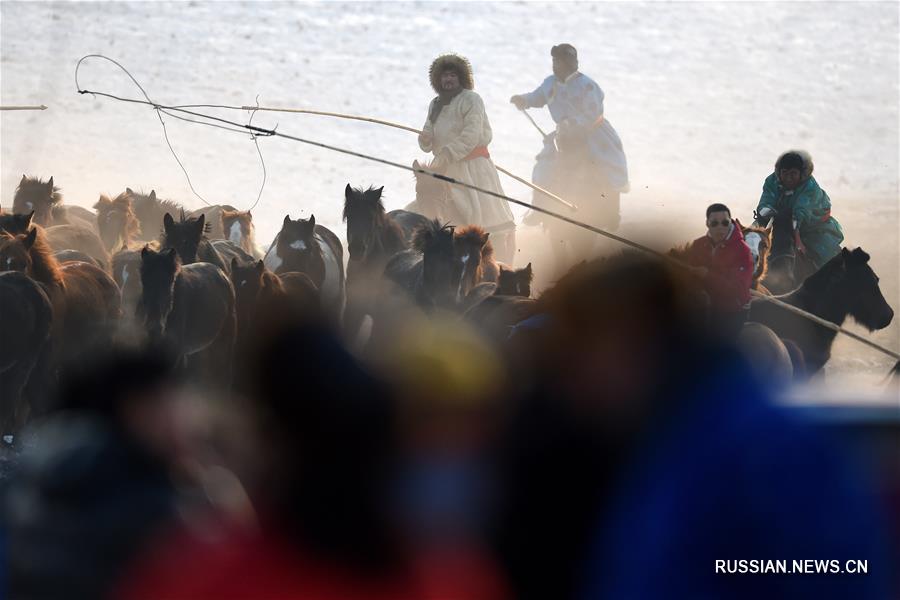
<point>478,152</point>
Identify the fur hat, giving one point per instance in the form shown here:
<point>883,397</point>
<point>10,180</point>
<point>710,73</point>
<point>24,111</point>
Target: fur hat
<point>564,51</point>
<point>795,159</point>
<point>451,62</point>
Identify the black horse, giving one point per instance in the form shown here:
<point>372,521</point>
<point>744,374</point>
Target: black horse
<point>192,307</point>
<point>428,271</point>
<point>188,238</point>
<point>845,286</point>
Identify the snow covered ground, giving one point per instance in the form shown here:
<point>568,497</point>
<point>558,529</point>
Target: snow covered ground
<point>704,95</point>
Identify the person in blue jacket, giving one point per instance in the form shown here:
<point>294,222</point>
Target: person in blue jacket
<point>792,187</point>
<point>583,160</point>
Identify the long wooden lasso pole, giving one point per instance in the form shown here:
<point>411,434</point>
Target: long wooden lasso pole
<point>305,111</point>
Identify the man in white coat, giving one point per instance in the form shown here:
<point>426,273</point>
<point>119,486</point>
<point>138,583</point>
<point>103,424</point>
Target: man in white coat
<point>457,132</point>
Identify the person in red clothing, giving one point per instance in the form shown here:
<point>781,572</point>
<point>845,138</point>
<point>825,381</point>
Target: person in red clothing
<point>724,263</point>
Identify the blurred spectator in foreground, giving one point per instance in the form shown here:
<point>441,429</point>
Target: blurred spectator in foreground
<point>95,487</point>
<point>326,528</point>
<point>646,452</point>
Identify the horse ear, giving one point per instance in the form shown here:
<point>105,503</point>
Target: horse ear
<point>129,191</point>
<point>348,191</point>
<point>249,215</point>
<point>287,221</point>
<point>30,238</point>
<point>145,251</point>
<point>29,218</point>
<point>152,194</point>
<point>528,268</point>
<point>260,266</point>
<point>312,220</point>
<point>50,183</point>
<point>379,191</point>
<point>23,179</point>
<point>485,238</point>
<point>201,222</point>
<point>168,221</point>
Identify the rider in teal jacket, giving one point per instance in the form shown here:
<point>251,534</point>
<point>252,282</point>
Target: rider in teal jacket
<point>792,187</point>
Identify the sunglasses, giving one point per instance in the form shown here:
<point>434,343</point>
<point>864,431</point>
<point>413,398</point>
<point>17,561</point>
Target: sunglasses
<point>724,223</point>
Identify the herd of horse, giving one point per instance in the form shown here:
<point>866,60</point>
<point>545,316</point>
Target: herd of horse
<point>146,267</point>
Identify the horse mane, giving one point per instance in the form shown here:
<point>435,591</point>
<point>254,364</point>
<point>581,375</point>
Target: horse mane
<point>431,235</point>
<point>240,215</point>
<point>123,203</point>
<point>476,235</point>
<point>44,266</point>
<point>374,204</point>
<point>30,181</point>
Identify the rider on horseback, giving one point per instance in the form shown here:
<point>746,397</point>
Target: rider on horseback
<point>793,188</point>
<point>723,262</point>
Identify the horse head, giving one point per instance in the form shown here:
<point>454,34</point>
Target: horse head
<point>184,236</point>
<point>15,251</point>
<point>469,245</point>
<point>247,280</point>
<point>515,282</point>
<point>363,212</point>
<point>14,223</point>
<point>116,220</point>
<point>439,273</point>
<point>847,285</point>
<point>158,273</point>
<point>36,195</point>
<point>759,239</point>
<point>238,228</point>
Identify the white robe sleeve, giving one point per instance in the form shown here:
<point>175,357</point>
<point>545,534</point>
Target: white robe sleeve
<point>428,128</point>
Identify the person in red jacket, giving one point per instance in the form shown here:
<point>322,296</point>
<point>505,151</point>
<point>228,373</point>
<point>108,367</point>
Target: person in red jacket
<point>723,261</point>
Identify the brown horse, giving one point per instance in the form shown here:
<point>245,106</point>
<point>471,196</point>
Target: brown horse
<point>845,286</point>
<point>46,201</point>
<point>515,282</point>
<point>192,308</point>
<point>759,239</point>
<point>239,230</point>
<point>68,256</point>
<point>38,196</point>
<point>305,247</point>
<point>150,211</point>
<point>475,255</point>
<point>188,238</point>
<point>26,316</point>
<point>116,221</point>
<point>15,223</point>
<point>76,237</point>
<point>86,301</point>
